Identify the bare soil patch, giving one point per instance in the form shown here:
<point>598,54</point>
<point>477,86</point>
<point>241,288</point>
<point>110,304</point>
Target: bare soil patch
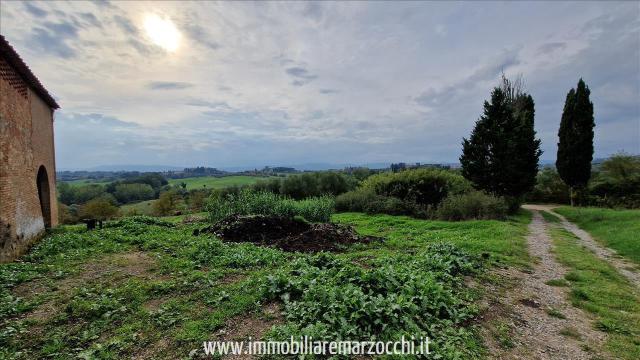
<point>288,234</point>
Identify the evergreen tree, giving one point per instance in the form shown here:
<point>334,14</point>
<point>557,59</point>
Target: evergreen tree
<point>501,155</point>
<point>575,146</point>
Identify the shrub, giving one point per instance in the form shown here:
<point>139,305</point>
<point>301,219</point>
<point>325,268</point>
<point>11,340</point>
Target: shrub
<point>388,205</point>
<point>101,208</point>
<point>166,204</point>
<point>419,186</point>
<point>355,200</point>
<point>549,188</point>
<point>133,192</point>
<point>472,205</point>
<point>249,202</point>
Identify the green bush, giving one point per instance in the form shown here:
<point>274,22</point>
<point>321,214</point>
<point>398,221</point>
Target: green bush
<point>420,186</point>
<point>248,202</point>
<point>472,205</point>
<point>355,200</point>
<point>388,205</point>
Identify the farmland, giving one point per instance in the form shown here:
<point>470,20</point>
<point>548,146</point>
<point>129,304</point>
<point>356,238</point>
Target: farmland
<point>211,182</point>
<point>167,290</point>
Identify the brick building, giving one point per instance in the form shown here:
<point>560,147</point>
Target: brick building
<point>28,202</point>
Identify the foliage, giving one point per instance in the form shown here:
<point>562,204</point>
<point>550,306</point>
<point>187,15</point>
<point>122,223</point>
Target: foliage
<point>549,188</point>
<point>409,295</point>
<point>101,208</point>
<point>355,200</point>
<point>166,203</point>
<point>126,193</point>
<point>501,155</point>
<point>419,186</point>
<point>308,184</point>
<point>249,202</point>
<point>69,194</point>
<point>575,146</point>
<point>472,205</point>
<point>617,183</point>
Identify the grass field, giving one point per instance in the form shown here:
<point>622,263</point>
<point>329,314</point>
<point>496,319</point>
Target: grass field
<point>140,208</point>
<point>617,229</point>
<point>211,182</point>
<point>87,182</point>
<point>146,288</point>
<point>599,289</point>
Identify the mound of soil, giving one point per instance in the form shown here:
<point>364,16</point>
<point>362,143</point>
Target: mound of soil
<point>286,233</point>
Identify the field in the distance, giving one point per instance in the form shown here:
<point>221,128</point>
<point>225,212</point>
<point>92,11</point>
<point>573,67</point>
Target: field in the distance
<point>211,182</point>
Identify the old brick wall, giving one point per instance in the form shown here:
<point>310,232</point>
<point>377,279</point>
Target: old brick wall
<point>26,142</point>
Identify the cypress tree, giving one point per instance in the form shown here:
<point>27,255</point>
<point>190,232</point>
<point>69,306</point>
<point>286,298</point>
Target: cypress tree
<point>501,155</point>
<point>575,146</point>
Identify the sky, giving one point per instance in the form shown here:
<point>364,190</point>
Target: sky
<point>233,84</point>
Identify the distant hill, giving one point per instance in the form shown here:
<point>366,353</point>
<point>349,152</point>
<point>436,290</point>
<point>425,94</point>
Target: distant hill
<point>140,168</point>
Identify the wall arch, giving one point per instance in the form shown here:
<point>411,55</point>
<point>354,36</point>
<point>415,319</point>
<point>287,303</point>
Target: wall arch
<point>44,194</point>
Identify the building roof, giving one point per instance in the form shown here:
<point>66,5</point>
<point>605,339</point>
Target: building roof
<point>12,57</point>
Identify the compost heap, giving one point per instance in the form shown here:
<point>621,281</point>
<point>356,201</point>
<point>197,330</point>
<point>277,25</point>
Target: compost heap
<point>288,234</point>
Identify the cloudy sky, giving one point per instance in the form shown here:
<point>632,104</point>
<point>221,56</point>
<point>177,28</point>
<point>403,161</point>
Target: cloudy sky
<point>253,84</point>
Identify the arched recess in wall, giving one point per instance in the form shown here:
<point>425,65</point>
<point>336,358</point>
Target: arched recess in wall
<point>44,194</point>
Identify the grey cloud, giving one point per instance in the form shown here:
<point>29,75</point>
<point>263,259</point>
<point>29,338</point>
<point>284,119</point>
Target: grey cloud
<point>328,91</point>
<point>91,19</point>
<point>197,33</point>
<point>301,75</point>
<point>53,37</point>
<point>218,105</point>
<point>168,85</point>
<point>125,24</point>
<point>551,47</point>
<point>34,10</point>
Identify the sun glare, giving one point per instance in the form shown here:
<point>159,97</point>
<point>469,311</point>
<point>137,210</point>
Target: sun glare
<point>162,32</point>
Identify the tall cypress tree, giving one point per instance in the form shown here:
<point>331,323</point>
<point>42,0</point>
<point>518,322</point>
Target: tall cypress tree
<point>501,155</point>
<point>575,146</point>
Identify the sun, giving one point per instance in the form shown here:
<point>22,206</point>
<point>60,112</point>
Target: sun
<point>162,32</point>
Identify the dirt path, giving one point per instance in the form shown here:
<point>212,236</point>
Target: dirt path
<point>544,324</point>
<point>620,264</point>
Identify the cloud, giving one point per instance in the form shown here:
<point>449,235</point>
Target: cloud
<point>373,82</point>
<point>301,75</point>
<point>34,10</point>
<point>168,85</point>
<point>125,24</point>
<point>53,38</point>
<point>551,47</point>
<point>199,34</point>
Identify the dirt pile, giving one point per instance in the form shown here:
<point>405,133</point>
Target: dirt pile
<point>286,233</point>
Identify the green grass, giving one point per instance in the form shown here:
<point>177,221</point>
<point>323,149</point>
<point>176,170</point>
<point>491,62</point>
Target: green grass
<point>98,288</point>
<point>210,182</point>
<point>140,208</point>
<point>503,241</point>
<point>616,229</point>
<point>597,288</point>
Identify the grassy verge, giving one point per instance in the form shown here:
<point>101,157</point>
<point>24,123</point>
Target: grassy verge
<point>616,229</point>
<point>597,288</point>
